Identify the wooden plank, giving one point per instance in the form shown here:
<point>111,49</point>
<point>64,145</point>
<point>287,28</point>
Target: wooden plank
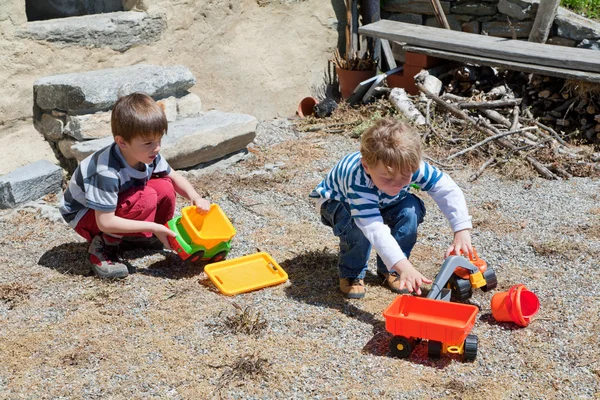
<point>512,65</point>
<point>543,21</point>
<point>389,56</point>
<point>484,46</point>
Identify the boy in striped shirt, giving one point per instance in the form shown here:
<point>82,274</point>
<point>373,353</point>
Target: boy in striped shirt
<point>365,199</point>
<point>126,189</point>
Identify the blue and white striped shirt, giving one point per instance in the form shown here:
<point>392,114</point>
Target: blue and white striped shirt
<point>349,182</point>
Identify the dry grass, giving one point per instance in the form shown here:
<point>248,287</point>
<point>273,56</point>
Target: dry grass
<point>14,293</point>
<point>246,320</point>
<point>249,366</point>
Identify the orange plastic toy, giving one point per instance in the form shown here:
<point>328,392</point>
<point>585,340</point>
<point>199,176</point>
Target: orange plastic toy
<point>518,305</point>
<point>461,281</point>
<point>446,325</point>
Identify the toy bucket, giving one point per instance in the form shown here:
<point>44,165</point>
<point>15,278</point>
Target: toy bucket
<point>518,305</point>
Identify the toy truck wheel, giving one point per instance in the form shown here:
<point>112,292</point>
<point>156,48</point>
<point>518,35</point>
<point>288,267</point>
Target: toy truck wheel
<point>196,257</point>
<point>470,347</point>
<point>220,256</point>
<point>461,288</point>
<point>490,280</point>
<point>401,346</point>
<point>434,349</point>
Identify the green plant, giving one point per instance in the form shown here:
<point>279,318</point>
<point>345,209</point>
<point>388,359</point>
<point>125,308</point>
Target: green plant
<point>587,8</point>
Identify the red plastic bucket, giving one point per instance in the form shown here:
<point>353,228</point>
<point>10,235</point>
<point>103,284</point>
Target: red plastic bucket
<point>518,305</point>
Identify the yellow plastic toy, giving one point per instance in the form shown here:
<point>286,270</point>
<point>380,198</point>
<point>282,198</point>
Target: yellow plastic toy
<point>244,274</point>
<point>201,236</point>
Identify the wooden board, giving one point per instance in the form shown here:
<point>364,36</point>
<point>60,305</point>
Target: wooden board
<point>485,46</point>
<point>512,65</point>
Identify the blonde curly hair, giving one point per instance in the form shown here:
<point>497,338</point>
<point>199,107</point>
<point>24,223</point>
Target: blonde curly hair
<point>392,142</point>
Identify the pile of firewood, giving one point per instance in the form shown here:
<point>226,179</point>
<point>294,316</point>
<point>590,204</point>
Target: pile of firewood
<point>541,120</point>
<point>571,108</point>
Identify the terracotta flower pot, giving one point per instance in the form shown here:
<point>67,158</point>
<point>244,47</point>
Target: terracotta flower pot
<point>350,79</point>
<point>307,107</point>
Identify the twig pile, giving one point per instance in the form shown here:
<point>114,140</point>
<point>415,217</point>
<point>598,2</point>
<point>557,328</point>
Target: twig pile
<point>509,130</point>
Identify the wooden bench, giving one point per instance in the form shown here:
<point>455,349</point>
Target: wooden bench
<point>564,62</point>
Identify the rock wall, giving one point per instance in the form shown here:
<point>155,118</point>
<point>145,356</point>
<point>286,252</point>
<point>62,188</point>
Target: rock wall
<point>501,18</point>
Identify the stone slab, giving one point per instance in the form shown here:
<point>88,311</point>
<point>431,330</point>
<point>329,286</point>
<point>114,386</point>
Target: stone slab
<point>573,26</point>
<point>93,91</point>
<point>118,30</point>
<point>30,182</point>
<point>192,141</point>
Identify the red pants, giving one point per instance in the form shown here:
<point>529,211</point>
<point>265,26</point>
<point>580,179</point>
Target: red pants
<point>154,202</point>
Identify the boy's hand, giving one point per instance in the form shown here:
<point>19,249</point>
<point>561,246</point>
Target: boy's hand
<point>461,244</point>
<point>410,278</point>
<point>202,205</point>
<point>163,233</point>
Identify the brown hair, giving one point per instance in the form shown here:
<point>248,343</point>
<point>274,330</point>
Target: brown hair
<point>137,115</point>
<point>394,144</point>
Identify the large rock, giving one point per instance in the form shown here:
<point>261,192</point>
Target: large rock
<point>192,141</point>
<point>29,183</point>
<point>414,6</point>
<point>93,91</point>
<point>119,30</point>
<point>474,8</point>
<point>572,26</point>
<point>515,10</point>
<point>519,29</point>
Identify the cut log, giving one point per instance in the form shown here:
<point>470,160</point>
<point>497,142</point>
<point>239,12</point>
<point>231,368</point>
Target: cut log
<point>404,104</point>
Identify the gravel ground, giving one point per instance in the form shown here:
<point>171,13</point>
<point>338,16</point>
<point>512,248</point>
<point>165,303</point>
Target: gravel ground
<point>166,332</point>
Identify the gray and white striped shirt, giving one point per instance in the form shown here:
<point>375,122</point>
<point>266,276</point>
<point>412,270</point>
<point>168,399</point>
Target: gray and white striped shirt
<point>98,180</point>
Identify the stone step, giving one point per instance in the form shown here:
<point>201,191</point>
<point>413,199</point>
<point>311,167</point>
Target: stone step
<point>192,141</point>
<point>30,182</point>
<point>94,91</point>
<point>117,30</point>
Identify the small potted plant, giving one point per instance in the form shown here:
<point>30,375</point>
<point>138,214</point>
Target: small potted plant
<point>352,70</point>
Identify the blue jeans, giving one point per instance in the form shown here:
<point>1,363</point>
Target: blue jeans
<point>403,219</point>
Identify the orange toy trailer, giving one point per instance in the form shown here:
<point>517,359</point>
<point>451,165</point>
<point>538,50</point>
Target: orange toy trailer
<point>445,325</point>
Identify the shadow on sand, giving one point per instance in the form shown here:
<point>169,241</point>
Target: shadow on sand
<point>72,259</point>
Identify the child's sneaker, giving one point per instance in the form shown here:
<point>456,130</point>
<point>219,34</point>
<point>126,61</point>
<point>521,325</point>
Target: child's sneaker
<point>104,259</point>
<point>353,288</point>
<point>393,282</point>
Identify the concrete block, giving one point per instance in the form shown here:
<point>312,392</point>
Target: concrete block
<point>49,126</point>
<point>189,106</point>
<point>89,126</point>
<point>30,182</point>
<point>93,91</point>
<point>169,105</point>
<point>192,141</point>
<point>117,30</point>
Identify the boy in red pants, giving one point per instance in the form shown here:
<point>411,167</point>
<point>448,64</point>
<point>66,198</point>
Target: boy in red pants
<point>126,189</point>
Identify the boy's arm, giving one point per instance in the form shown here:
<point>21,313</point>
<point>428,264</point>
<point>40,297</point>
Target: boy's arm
<point>108,222</point>
<point>185,189</point>
<point>380,237</point>
<point>451,201</point>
